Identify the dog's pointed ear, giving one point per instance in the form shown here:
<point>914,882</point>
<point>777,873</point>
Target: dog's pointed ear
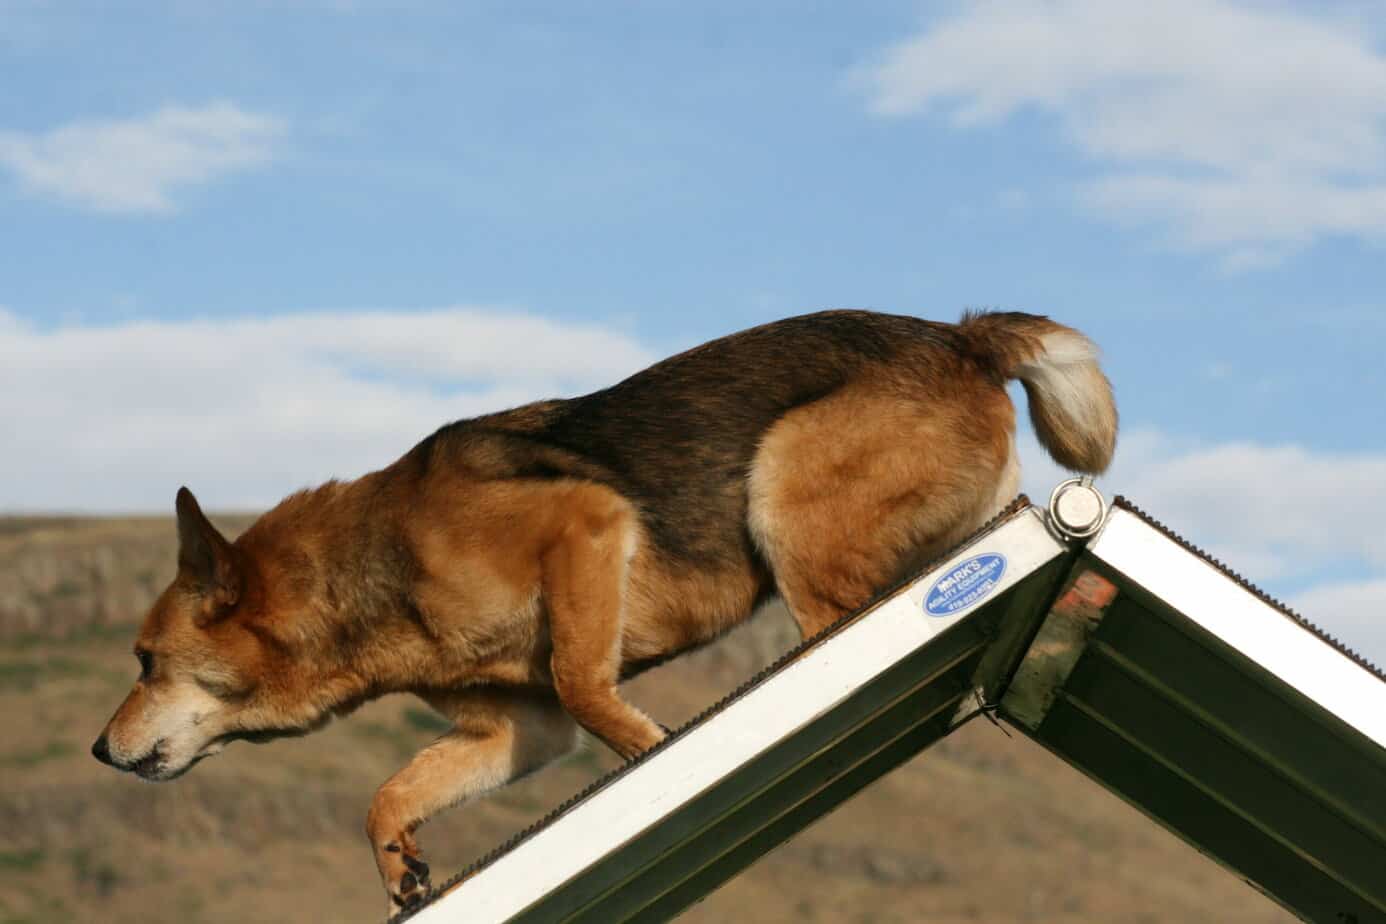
<point>206,560</point>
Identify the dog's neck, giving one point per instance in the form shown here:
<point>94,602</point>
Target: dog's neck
<point>351,566</point>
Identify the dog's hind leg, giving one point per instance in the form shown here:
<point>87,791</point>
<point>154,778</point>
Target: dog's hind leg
<point>584,585</point>
<point>853,491</point>
<point>497,736</point>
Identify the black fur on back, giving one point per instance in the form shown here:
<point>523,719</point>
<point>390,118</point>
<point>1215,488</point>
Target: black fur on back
<point>678,438</point>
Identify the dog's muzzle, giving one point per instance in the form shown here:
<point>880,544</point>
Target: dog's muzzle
<point>146,767</point>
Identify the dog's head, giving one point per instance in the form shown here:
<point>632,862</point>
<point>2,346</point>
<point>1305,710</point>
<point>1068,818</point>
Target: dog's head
<point>211,671</point>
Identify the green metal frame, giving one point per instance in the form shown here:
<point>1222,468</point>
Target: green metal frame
<point>1102,671</point>
<point>885,723</point>
<point>1225,755</point>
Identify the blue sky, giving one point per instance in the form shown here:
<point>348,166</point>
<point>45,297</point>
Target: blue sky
<point>250,246</point>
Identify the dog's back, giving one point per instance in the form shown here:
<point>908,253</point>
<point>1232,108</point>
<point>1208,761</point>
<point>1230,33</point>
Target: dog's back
<point>679,437</point>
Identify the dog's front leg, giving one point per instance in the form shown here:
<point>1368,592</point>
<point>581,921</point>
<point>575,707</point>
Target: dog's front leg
<point>497,737</point>
<point>584,586</point>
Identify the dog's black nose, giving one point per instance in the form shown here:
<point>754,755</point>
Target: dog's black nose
<point>102,751</point>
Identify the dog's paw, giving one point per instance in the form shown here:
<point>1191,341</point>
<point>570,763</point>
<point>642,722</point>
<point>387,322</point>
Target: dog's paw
<point>406,877</point>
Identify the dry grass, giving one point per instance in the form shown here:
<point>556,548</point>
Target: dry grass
<point>981,828</point>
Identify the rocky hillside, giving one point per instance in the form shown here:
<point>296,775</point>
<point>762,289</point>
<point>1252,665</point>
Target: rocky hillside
<point>980,828</point>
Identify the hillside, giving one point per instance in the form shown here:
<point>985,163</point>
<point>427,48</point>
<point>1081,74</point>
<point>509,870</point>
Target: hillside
<point>981,828</point>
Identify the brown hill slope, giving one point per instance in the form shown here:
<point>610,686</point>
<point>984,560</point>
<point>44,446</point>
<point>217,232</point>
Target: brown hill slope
<point>981,828</point>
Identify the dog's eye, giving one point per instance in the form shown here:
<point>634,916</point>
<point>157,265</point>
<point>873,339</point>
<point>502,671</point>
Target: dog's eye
<point>146,659</point>
<point>220,688</point>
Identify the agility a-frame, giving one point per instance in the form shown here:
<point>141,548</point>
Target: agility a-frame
<point>1161,675</point>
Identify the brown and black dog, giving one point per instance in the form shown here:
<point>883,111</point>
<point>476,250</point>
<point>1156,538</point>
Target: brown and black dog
<point>512,569</point>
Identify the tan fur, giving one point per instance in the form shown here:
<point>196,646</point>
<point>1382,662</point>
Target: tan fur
<point>1071,404</point>
<point>839,518</point>
<point>497,737</point>
<point>512,582</point>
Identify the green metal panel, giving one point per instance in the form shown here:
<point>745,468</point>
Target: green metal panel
<point>1270,720</point>
<point>814,790</point>
<point>886,722</point>
<point>1201,820</point>
<point>1227,756</point>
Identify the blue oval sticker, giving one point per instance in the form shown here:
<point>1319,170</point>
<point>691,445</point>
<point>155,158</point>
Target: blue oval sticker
<point>965,584</point>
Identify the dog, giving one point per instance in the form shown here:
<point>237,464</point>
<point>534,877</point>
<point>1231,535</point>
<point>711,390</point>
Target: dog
<point>512,569</point>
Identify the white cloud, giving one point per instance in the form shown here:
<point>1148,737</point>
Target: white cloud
<point>246,410</point>
<point>1248,130</point>
<point>1356,611</point>
<point>1253,220</point>
<point>1272,512</point>
<point>1286,517</point>
<point>136,165</point>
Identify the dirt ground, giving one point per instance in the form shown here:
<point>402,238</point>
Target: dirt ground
<point>980,828</point>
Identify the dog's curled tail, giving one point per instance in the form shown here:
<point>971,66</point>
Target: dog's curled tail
<point>1071,403</point>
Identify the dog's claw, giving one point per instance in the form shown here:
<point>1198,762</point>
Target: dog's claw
<point>404,872</point>
<point>411,897</point>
